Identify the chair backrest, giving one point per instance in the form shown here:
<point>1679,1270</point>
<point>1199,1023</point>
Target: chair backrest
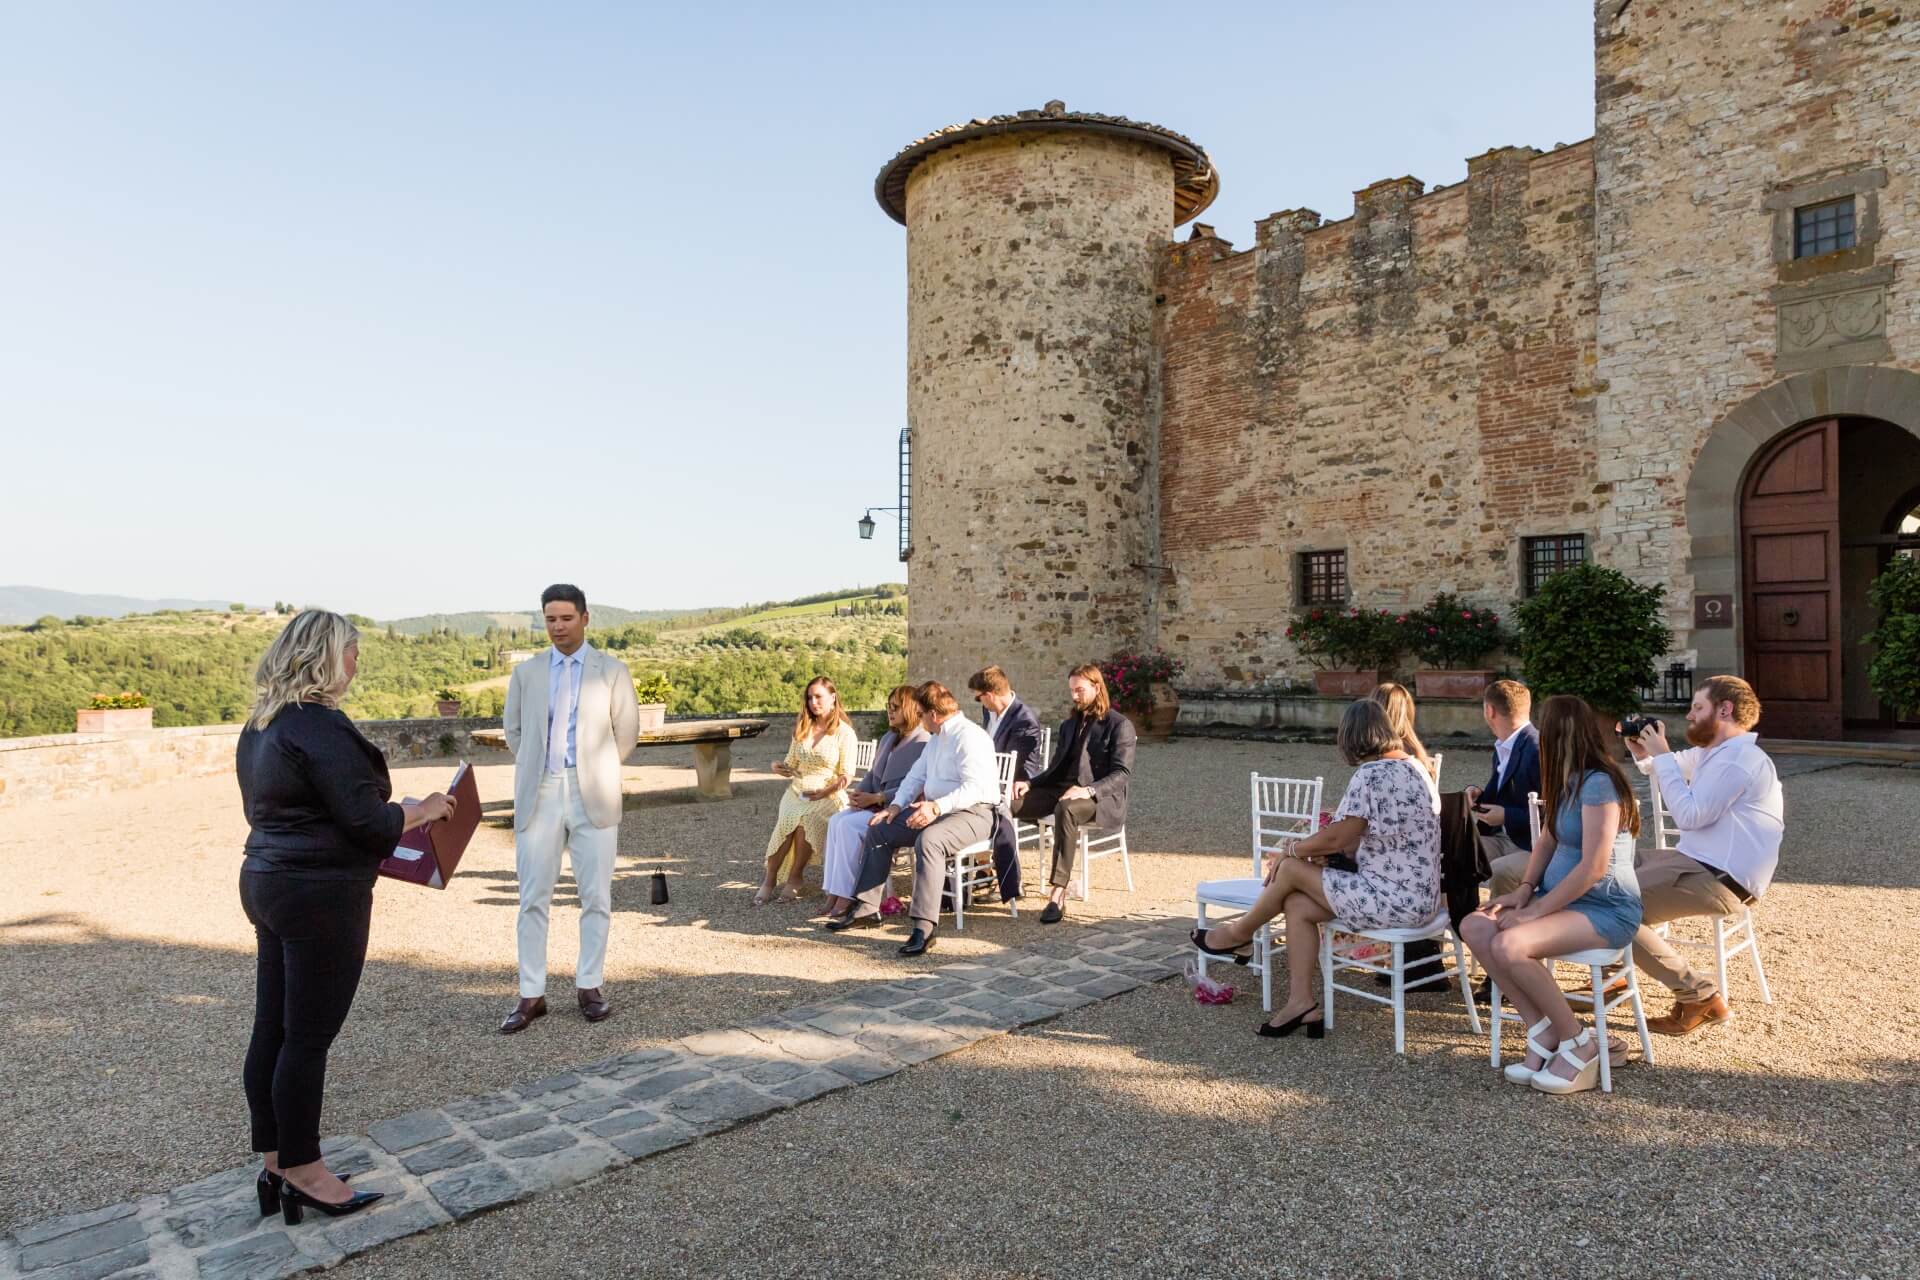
<point>1284,810</point>
<point>1666,835</point>
<point>1438,758</point>
<point>1003,763</point>
<point>863,754</point>
<point>1534,822</point>
<point>1046,743</point>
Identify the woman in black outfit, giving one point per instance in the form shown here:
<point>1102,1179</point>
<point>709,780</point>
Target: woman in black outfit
<point>317,797</point>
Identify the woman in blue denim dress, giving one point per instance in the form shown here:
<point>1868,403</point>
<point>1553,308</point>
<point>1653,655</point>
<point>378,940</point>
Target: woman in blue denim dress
<point>1578,894</point>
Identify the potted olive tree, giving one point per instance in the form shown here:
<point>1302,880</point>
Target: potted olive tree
<point>654,693</point>
<point>1451,639</point>
<point>1595,632</point>
<point>114,712</point>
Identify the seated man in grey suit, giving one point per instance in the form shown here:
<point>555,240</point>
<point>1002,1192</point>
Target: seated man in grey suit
<point>945,804</point>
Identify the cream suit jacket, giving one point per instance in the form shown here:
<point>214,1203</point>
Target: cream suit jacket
<point>606,727</point>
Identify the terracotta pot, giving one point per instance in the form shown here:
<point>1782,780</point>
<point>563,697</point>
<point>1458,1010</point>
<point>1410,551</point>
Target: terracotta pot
<point>653,715</point>
<point>448,709</point>
<point>1451,684</point>
<point>112,720</point>
<point>1154,722</point>
<point>1345,684</point>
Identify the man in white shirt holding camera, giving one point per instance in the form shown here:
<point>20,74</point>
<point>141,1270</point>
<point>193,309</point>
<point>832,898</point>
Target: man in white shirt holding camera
<point>1723,794</point>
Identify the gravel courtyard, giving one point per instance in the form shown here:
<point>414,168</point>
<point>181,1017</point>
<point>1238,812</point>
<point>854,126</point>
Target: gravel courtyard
<point>1145,1134</point>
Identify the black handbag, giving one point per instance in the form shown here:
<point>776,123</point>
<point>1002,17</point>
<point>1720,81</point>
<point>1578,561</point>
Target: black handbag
<point>659,888</point>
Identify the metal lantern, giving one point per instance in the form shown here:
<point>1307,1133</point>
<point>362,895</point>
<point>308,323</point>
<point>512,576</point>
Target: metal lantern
<point>866,527</point>
<point>1679,682</point>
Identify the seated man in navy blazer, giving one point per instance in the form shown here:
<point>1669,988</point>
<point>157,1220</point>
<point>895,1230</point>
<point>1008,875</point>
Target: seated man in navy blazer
<point>1086,782</point>
<point>1013,727</point>
<point>1500,807</point>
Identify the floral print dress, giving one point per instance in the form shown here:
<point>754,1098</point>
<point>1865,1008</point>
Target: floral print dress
<point>1398,883</point>
<point>813,766</point>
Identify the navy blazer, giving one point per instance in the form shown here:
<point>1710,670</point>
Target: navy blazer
<point>1523,775</point>
<point>1019,732</point>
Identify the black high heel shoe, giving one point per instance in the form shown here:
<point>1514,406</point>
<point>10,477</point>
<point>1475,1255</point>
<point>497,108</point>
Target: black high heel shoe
<point>1316,1030</point>
<point>294,1201</point>
<point>1238,956</point>
<point>267,1187</point>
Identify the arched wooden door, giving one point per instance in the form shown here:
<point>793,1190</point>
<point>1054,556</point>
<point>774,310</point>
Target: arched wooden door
<point>1790,540</point>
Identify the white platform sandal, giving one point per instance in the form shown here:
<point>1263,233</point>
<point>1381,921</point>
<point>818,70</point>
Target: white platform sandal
<point>1520,1072</point>
<point>1586,1074</point>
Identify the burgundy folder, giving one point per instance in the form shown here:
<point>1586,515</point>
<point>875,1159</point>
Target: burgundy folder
<point>428,855</point>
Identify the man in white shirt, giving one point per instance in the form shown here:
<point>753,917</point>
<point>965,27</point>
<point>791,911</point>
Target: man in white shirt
<point>944,804</point>
<point>570,720</point>
<point>1726,799</point>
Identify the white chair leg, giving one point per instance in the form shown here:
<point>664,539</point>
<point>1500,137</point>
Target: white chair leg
<point>1399,981</point>
<point>1600,1029</point>
<point>1466,986</point>
<point>1126,862</point>
<point>1496,1023</point>
<point>1753,951</point>
<point>1326,976</point>
<point>1720,954</point>
<point>959,898</point>
<point>1639,1015</point>
<point>1264,945</point>
<point>1081,860</point>
<point>1200,923</point>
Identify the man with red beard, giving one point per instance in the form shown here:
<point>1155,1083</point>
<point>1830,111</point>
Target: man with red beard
<point>1725,797</point>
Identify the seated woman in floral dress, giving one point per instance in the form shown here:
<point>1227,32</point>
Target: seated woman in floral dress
<point>820,763</point>
<point>1389,821</point>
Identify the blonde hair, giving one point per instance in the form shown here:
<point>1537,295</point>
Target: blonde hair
<point>804,724</point>
<point>1397,702</point>
<point>307,662</point>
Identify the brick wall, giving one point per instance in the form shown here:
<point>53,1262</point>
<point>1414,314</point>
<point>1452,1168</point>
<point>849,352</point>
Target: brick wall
<point>1412,384</point>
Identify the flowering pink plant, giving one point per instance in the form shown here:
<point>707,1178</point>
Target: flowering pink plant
<point>1131,676</point>
<point>1450,633</point>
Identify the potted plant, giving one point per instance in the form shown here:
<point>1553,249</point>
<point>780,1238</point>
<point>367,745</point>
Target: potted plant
<point>1141,686</point>
<point>1451,639</point>
<point>1594,632</point>
<point>1349,648</point>
<point>1895,670</point>
<point>114,712</point>
<point>654,693</point>
<point>447,703</point>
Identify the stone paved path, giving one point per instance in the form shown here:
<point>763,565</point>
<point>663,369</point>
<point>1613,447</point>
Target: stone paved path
<point>442,1165</point>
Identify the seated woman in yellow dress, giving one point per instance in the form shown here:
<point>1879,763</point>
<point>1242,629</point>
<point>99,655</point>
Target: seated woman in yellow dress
<point>820,764</point>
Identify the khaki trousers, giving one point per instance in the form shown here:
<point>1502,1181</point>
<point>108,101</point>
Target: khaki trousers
<point>1672,887</point>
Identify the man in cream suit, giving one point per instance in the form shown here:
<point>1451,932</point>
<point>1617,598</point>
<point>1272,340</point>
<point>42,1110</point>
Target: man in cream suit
<point>571,719</point>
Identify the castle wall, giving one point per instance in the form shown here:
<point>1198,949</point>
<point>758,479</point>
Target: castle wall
<point>1032,395</point>
<point>1712,121</point>
<point>1414,384</point>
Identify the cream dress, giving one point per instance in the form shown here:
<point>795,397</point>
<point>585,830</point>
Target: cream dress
<point>813,766</point>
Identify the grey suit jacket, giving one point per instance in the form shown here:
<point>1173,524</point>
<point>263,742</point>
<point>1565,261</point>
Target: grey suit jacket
<point>891,761</point>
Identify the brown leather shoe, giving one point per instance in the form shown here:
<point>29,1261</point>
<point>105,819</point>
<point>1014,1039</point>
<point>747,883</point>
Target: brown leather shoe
<point>1615,984</point>
<point>1689,1016</point>
<point>593,1004</point>
<point>523,1015</point>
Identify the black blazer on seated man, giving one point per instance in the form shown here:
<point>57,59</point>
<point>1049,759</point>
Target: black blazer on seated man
<point>1510,792</point>
<point>1018,732</point>
<point>1101,761</point>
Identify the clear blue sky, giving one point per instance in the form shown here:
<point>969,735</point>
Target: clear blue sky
<point>416,308</point>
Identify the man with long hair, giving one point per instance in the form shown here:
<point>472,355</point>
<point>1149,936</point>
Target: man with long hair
<point>1084,784</point>
<point>1724,795</point>
<point>571,721</point>
<point>944,804</point>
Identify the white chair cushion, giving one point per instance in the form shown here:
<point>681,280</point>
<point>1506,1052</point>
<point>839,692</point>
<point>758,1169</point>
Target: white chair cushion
<point>1232,893</point>
<point>1599,956</point>
<point>1431,929</point>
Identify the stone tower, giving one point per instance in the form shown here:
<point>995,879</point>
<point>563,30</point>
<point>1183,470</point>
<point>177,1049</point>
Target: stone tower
<point>1033,242</point>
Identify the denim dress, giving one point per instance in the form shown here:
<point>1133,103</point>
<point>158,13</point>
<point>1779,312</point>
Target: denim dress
<point>1613,905</point>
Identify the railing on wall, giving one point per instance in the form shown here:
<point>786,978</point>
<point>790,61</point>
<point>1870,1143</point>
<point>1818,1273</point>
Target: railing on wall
<point>906,486</point>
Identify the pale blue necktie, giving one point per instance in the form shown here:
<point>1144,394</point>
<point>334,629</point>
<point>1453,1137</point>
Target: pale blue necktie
<point>562,717</point>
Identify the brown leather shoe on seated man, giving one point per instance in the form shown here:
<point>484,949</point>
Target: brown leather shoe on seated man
<point>1688,1016</point>
<point>593,1004</point>
<point>523,1015</point>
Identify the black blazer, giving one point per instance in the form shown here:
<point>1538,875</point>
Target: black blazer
<point>1105,766</point>
<point>1019,732</point>
<point>1523,775</point>
<point>317,796</point>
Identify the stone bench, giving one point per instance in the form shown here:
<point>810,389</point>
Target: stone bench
<point>712,742</point>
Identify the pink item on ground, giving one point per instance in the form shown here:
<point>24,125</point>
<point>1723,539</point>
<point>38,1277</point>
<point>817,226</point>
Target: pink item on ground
<point>1205,989</point>
<point>892,906</point>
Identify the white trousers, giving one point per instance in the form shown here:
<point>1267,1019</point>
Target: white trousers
<point>840,865</point>
<point>560,822</point>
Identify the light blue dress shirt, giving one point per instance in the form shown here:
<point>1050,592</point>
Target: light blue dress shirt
<point>573,665</point>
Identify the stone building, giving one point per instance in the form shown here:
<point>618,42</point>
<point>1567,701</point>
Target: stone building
<point>1686,347</point>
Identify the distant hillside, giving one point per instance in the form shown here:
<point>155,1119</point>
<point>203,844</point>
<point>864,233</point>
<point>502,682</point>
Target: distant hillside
<point>475,623</point>
<point>20,605</point>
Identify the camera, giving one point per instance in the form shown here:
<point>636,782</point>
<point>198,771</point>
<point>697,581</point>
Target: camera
<point>1632,726</point>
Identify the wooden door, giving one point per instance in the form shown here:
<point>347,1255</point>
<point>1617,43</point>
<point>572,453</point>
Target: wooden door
<point>1790,540</point>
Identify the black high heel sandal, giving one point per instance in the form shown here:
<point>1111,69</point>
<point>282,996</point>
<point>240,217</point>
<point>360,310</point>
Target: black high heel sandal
<point>267,1187</point>
<point>1316,1030</point>
<point>294,1201</point>
<point>1238,956</point>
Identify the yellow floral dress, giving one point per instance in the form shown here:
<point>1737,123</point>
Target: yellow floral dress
<point>813,766</point>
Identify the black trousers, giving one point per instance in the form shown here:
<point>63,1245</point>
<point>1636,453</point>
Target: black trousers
<point>1069,818</point>
<point>312,938</point>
